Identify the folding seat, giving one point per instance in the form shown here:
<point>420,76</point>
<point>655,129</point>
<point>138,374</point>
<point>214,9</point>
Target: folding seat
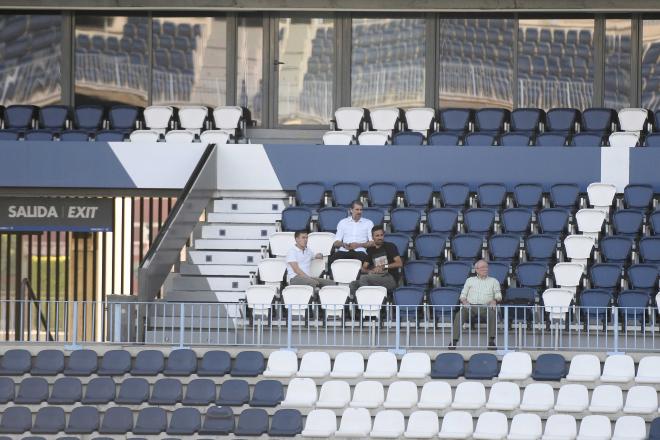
<point>639,197</point>
<point>344,193</point>
<point>74,136</point>
<point>455,195</point>
<point>445,139</point>
<point>586,140</point>
<point>469,395</point>
<point>267,393</point>
<point>295,218</point>
<point>654,433</point>
<point>405,220</point>
<point>418,195</point>
<point>333,299</point>
<point>373,138</point>
<point>401,394</point>
<point>193,118</point>
<point>180,136</point>
<point>606,399</point>
<point>516,221</point>
<point>19,117</point>
<point>310,195</point>
<point>605,276</point>
<point>48,363</point>
<point>466,247</point>
<point>144,136</point>
<point>652,140</point>
<point>553,221</point>
<point>319,423</point>
<point>616,249</point>
<point>654,220</point>
<point>7,387</point>
<point>300,393</point>
<point>347,365</point>
<point>370,300</point>
<point>632,306</point>
<point>565,195</point>
<point>430,246</point>
<point>595,427</point>
<point>448,366</point>
<point>444,300</point>
<point>528,195</point>
<point>422,424</point>
<point>601,195</point>
<point>159,118</point>
<point>504,396</point>
<point>482,366</point>
<point>456,120</point>
<point>32,390</point>
<point>584,368</point>
<point>280,243</point>
<point>594,305</point>
<point>479,221</point>
<point>88,117</point>
<point>219,420</point>
<point>550,140</point>
<point>199,392</point>
<point>368,394</point>
<point>515,140</point>
<point>382,195</point>
<point>621,139</point>
<point>648,370</point>
<point>598,120</point>
<point>166,392</point>
<point>148,363</point>
<point>563,120</point>
<point>420,120</point>
<point>480,140</point>
<point>376,215</point>
<point>10,135</point>
<point>133,391</point>
<point>109,136</point>
<point>442,220</point>
<point>633,119</point>
<point>491,425</point>
<point>150,421</point>
<point>49,420</point>
<point>627,222</point>
<point>456,425</point>
<point>538,397</point>
<point>556,303</point>
<point>381,365</point>
<point>99,390</point>
<point>409,301</point>
<point>117,420</point>
<point>527,120</point>
<point>214,363</point>
<point>491,196</point>
<point>286,423</point>
<point>531,274</point>
<point>525,427</point>
<point>491,120</point>
<point>629,428</point>
<point>181,362</point>
<point>388,424</point>
<point>649,250</point>
<point>54,117</point>
<point>66,391</point>
<point>314,364</point>
<point>408,138</point>
<point>454,273</point>
<point>385,119</point>
<point>641,399</point>
<point>541,248</point>
<point>334,394</point>
<point>572,398</point>
<point>281,363</point>
<point>187,421</point>
<point>15,420</point>
<point>568,275</point>
<point>233,392</point>
<point>355,422</point>
<point>435,395</point>
<point>643,277</point>
<point>415,366</point>
<point>229,119</point>
<point>39,135</point>
<point>218,137</point>
<point>504,247</point>
<point>579,248</point>
<point>124,117</point>
<point>337,138</point>
<point>83,420</point>
<point>350,119</point>
<point>516,366</point>
<point>418,273</point>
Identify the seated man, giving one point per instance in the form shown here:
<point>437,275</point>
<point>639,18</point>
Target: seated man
<point>353,236</point>
<point>382,265</point>
<point>299,264</point>
<point>479,297</point>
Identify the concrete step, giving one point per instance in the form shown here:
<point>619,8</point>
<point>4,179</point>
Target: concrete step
<point>230,244</point>
<point>256,206</point>
<point>208,283</point>
<point>204,297</point>
<point>218,269</point>
<point>237,232</point>
<point>223,257</point>
<point>241,217</point>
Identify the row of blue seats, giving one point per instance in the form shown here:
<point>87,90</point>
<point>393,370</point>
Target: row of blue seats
<point>67,135</point>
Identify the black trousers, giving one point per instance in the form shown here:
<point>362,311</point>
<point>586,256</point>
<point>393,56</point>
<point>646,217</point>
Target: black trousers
<point>347,255</point>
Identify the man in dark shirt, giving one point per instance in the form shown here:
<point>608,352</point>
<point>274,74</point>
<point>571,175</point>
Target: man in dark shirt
<point>382,265</point>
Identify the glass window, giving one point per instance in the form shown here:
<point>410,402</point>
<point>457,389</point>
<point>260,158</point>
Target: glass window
<point>476,62</point>
<point>651,65</point>
<point>249,74</point>
<point>307,54</point>
<point>190,60</point>
<point>617,63</point>
<point>30,59</point>
<point>555,63</point>
<point>112,64</point>
<point>388,62</point>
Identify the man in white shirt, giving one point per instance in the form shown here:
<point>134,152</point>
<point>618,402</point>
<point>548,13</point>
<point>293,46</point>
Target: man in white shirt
<point>353,236</point>
<point>299,264</point>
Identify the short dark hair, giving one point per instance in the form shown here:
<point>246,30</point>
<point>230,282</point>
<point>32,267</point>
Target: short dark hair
<point>356,202</point>
<point>299,233</point>
<point>377,228</point>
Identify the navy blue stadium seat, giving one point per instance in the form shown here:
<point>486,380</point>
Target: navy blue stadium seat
<point>166,392</point>
<point>296,218</point>
<point>448,366</point>
<point>181,362</point>
<point>656,120</point>
<point>15,362</point>
<point>638,197</point>
<point>150,421</point>
<point>214,363</point>
<point>455,120</point>
<point>409,299</point>
<point>444,302</point>
<point>49,420</point>
<point>454,273</point>
<point>48,363</point>
<point>627,222</point>
<point>430,246</point>
<point>117,420</point>
<point>53,117</point>
<point>652,140</point>
<point>133,391</point>
<point>401,241</point>
<point>405,220</point>
<point>99,391</point>
<point>109,136</point>
<point>553,221</point>
<point>541,247</point>
<point>32,391</point>
<point>586,140</point>
<point>344,193</point>
<point>632,306</point>
<point>9,135</point>
<point>594,305</point>
<point>528,195</point>
<point>7,387</point>
<point>520,302</point>
<point>19,117</point>
<point>442,138</point>
<point>565,195</point>
<point>527,120</point>
<point>267,393</point>
<point>74,136</point>
<point>654,433</point>
<point>515,140</point>
<point>649,250</point>
<point>81,363</point>
<point>184,421</point>
<point>248,364</point>
<point>286,423</point>
<point>504,247</point>
<point>480,140</point>
<point>643,277</point>
<point>491,195</point>
<point>531,274</point>
<point>562,120</point>
<point>39,135</point>
<point>115,363</point>
<point>376,215</point>
<point>329,218</point>
<point>550,140</point>
<point>83,420</point>
<point>605,276</point>
<point>418,273</point>
<point>16,420</point>
<point>598,120</point>
<point>482,366</point>
<point>479,221</point>
<point>252,422</point>
<point>124,117</point>
<point>455,195</point>
<point>66,391</point>
<point>148,363</point>
<point>499,270</point>
<point>550,366</point>
<point>234,392</point>
<point>218,420</point>
<point>616,249</point>
<point>517,221</point>
<point>310,194</point>
<point>654,221</point>
<point>442,220</point>
<point>382,195</point>
<point>408,138</point>
<point>88,117</point>
<point>466,247</point>
<point>418,195</point>
<point>199,392</point>
<point>491,120</point>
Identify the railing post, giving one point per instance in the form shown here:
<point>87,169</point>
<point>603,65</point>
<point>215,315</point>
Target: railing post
<point>289,328</point>
<point>505,349</point>
<point>182,324</point>
<point>397,333</point>
<point>74,343</point>
<point>615,323</point>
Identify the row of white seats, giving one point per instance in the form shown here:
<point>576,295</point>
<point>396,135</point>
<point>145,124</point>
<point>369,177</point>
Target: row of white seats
<point>181,136</point>
<point>356,422</point>
<point>193,117</point>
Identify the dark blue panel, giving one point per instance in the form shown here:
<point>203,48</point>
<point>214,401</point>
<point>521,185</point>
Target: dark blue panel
<point>644,167</point>
<point>61,165</point>
<point>404,164</point>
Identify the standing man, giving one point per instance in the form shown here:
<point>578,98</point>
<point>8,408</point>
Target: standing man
<point>382,265</point>
<point>480,296</point>
<point>299,264</point>
<point>353,236</point>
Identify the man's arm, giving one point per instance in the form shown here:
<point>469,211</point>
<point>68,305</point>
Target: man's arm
<point>296,268</point>
<point>466,288</point>
<point>365,267</point>
<point>497,292</point>
<point>398,263</point>
<point>339,235</point>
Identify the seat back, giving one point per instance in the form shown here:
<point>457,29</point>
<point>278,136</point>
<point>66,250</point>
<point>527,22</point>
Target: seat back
<point>218,137</point>
<point>454,273</point>
<point>344,193</point>
<point>123,117</point>
<point>456,119</point>
<point>228,118</point>
<point>144,136</point>
<point>515,140</point>
<point>480,140</point>
<point>562,119</point>
<point>491,119</point>
<point>193,117</point>
<point>622,139</point>
<point>420,119</point>
<point>158,117</point>
<point>598,120</point>
<point>310,194</point>
<point>373,138</point>
<point>349,118</point>
<point>384,118</point>
<point>408,138</point>
<point>550,140</point>
<point>418,195</point>
<point>337,138</point>
<point>445,139</point>
<point>633,119</point>
<point>527,119</point>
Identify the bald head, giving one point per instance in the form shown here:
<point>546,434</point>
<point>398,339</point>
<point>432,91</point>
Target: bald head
<point>481,267</point>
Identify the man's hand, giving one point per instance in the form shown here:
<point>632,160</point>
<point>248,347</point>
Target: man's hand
<point>318,256</point>
<point>377,269</point>
<point>464,301</point>
<point>492,303</point>
<point>352,246</point>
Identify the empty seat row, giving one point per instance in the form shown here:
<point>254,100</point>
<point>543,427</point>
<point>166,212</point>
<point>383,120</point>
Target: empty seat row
<point>172,136</point>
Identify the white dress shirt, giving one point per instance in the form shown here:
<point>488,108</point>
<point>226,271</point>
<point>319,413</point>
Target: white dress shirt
<point>351,231</point>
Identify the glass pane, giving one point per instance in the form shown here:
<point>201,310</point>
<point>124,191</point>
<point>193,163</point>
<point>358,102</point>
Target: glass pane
<point>476,62</point>
<point>388,62</point>
<point>249,55</point>
<point>617,63</point>
<point>651,65</point>
<point>112,64</point>
<point>30,59</point>
<point>190,60</point>
<point>306,49</point>
<point>555,63</point>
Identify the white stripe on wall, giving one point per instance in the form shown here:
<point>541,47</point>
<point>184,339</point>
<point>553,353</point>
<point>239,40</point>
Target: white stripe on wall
<point>246,167</point>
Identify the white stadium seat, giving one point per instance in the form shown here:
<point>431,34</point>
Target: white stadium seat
<point>579,248</point>
<point>349,119</point>
<point>193,117</point>
<point>516,366</point>
<point>633,119</point>
<point>491,426</point>
<point>384,118</point>
<point>348,365</point>
<point>259,298</point>
<point>381,365</point>
<point>321,242</point>
<point>572,397</point>
<point>595,427</point>
<point>648,370</point>
<point>419,119</point>
<point>370,299</point>
<point>525,427</point>
<point>622,139</point>
<point>333,299</point>
<point>388,424</point>
<point>538,397</point>
<point>296,299</point>
<point>601,195</point>
<point>590,221</point>
<point>314,364</point>
<point>355,423</point>
<point>557,302</point>
<point>368,394</point>
<point>422,424</point>
<point>281,242</point>
<point>334,394</point>
<point>144,136</point>
<point>218,137</point>
<point>180,136</point>
<point>559,427</point>
<point>469,395</point>
<point>228,118</point>
<point>157,117</point>
<point>456,425</point>
<point>401,395</point>
<point>337,138</point>
<point>504,396</point>
<point>641,399</point>
<point>281,363</point>
<point>584,368</point>
<point>606,399</point>
<point>373,138</point>
<point>629,428</point>
<point>345,271</point>
<point>320,423</point>
<point>271,271</point>
<point>300,393</point>
<point>568,275</point>
<point>618,368</point>
<point>435,395</point>
<point>415,366</point>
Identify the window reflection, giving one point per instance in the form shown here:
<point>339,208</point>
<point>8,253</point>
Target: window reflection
<point>30,59</point>
<point>617,63</point>
<point>249,55</point>
<point>651,65</point>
